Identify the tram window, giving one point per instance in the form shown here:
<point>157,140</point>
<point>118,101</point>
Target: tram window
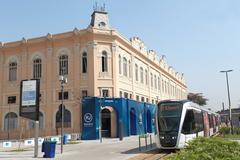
<point>217,120</point>
<point>169,117</point>
<point>214,121</point>
<point>189,123</point>
<point>198,116</point>
<point>210,118</point>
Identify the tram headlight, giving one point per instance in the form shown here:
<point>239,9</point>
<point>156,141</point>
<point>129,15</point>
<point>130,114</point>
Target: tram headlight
<point>174,138</point>
<point>161,137</point>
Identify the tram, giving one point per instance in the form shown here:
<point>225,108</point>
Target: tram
<point>178,121</point>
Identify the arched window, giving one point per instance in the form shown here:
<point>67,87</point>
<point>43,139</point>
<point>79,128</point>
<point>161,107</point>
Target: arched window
<point>10,121</point>
<point>104,61</point>
<point>166,89</point>
<point>155,81</point>
<point>125,67</point>
<point>163,86</point>
<point>102,24</point>
<point>31,124</point>
<point>129,69</point>
<point>13,71</point>
<point>66,117</point>
<point>63,65</point>
<point>141,74</point>
<point>146,77</point>
<point>151,80</point>
<point>136,72</point>
<point>159,83</point>
<point>37,68</point>
<point>84,62</point>
<point>120,64</point>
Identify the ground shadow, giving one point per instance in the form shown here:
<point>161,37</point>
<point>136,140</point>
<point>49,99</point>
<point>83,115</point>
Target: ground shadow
<point>141,150</point>
<point>149,150</point>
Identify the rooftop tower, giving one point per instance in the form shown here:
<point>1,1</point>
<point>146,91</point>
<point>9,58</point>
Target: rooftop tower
<point>99,17</point>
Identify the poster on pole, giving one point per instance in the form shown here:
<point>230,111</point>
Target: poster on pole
<point>29,99</point>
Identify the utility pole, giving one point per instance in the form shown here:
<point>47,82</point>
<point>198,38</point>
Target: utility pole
<point>229,100</point>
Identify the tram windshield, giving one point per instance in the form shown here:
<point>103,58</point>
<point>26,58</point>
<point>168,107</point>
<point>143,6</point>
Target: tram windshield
<point>169,115</point>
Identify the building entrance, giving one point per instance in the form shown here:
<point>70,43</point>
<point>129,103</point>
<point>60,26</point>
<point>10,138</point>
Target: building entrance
<point>108,122</point>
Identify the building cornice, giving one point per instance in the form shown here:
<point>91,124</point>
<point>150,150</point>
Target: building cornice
<point>49,37</point>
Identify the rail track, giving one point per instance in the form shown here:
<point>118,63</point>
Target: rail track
<point>155,154</point>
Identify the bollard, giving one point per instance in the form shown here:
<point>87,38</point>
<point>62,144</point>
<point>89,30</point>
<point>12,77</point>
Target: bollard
<point>146,141</point>
<point>139,142</point>
<point>120,130</point>
<point>151,140</point>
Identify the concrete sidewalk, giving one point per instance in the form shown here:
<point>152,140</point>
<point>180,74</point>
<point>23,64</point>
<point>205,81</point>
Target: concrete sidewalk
<point>109,149</point>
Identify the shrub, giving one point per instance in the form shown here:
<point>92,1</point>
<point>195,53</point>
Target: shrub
<point>224,130</point>
<point>236,130</point>
<point>209,149</point>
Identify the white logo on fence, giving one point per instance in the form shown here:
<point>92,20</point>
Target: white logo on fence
<point>88,117</point>
<point>29,142</point>
<point>7,144</point>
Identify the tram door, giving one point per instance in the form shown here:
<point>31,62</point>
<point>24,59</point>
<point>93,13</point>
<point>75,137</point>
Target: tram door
<point>106,123</point>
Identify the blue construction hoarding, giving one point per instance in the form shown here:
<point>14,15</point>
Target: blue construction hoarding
<point>116,116</point>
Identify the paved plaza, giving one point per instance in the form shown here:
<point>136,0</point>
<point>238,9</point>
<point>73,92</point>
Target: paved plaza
<point>109,149</point>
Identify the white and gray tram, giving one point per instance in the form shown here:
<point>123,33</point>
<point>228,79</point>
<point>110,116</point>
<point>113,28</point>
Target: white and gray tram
<point>178,121</point>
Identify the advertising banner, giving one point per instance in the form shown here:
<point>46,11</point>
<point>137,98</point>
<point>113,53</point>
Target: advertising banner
<point>29,99</point>
<point>29,93</point>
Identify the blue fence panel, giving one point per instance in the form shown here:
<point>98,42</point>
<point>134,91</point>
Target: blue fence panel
<point>133,118</point>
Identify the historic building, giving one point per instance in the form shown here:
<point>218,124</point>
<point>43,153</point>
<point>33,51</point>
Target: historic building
<point>97,61</point>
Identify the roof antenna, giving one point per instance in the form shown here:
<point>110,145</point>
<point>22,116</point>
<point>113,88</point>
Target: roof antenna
<point>104,6</point>
<point>99,8</point>
<point>95,7</point>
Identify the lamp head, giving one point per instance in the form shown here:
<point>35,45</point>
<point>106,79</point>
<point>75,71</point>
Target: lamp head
<point>61,78</point>
<point>226,71</point>
<point>65,80</point>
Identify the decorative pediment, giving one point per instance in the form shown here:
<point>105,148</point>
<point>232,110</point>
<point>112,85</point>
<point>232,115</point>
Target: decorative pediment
<point>49,36</point>
<point>76,31</point>
<point>138,44</point>
<point>24,40</point>
<point>1,44</point>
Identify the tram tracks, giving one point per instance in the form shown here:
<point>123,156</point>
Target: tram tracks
<point>155,154</point>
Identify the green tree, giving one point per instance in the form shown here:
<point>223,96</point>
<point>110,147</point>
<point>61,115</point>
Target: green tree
<point>197,98</point>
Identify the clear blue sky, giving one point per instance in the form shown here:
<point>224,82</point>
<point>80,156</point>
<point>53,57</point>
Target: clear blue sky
<point>199,38</point>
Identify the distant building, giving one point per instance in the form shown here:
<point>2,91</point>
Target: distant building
<point>98,61</point>
<point>235,116</point>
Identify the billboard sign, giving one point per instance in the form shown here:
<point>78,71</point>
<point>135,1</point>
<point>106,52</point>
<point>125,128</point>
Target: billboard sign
<point>29,99</point>
<point>29,93</point>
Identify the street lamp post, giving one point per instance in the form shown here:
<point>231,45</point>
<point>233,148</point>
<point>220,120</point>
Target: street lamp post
<point>8,121</point>
<point>229,101</point>
<point>63,80</point>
